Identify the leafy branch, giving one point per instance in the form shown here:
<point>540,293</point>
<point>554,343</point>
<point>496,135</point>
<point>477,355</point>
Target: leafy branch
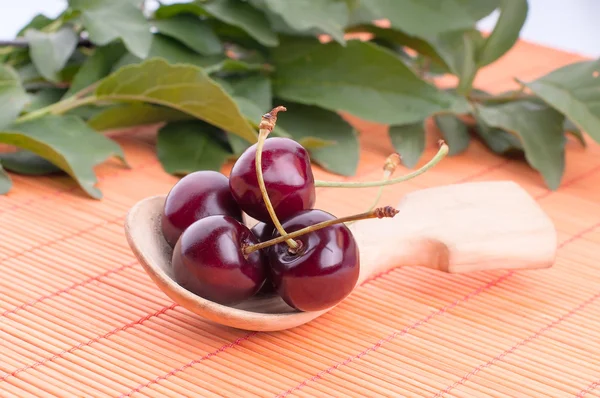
<point>206,69</point>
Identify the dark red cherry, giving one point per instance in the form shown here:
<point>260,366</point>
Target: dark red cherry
<point>208,260</point>
<point>288,178</point>
<point>197,195</point>
<point>324,270</point>
<point>263,232</point>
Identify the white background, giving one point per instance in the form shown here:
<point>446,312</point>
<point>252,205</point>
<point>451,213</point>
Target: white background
<point>570,25</point>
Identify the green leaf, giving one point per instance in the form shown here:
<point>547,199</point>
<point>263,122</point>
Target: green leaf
<point>397,37</point>
<point>28,163</point>
<point>498,140</point>
<point>230,65</point>
<point>479,9</point>
<point>12,95</point>
<point>409,15</point>
<point>185,88</point>
<point>86,111</point>
<point>409,142</point>
<point>191,31</point>
<point>459,51</point>
<point>108,20</point>
<point>253,95</point>
<point>572,129</point>
<point>135,114</point>
<point>51,51</point>
<point>330,17</point>
<point>255,88</point>
<point>540,129</point>
<point>172,51</point>
<point>238,145</point>
<point>244,16</point>
<point>362,78</point>
<point>38,22</point>
<point>311,143</point>
<point>513,14</point>
<point>171,10</point>
<point>44,98</point>
<point>454,131</point>
<point>28,73</point>
<point>574,90</point>
<point>96,67</point>
<point>303,121</point>
<point>67,142</point>
<point>187,146</point>
<point>5,181</point>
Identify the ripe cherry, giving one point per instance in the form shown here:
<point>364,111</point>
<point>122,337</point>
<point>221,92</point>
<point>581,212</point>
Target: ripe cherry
<point>322,271</point>
<point>288,178</point>
<point>208,260</point>
<point>197,195</point>
<point>264,232</point>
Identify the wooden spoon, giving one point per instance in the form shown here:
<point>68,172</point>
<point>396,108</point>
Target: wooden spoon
<point>458,228</point>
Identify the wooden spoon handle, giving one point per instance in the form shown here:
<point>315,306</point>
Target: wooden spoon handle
<point>459,228</point>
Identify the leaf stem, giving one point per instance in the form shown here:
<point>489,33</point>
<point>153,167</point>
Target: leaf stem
<point>513,96</point>
<point>58,108</point>
<point>267,124</point>
<point>368,184</point>
<point>380,212</point>
<point>86,90</point>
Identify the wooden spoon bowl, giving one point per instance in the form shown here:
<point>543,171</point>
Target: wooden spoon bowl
<point>455,228</point>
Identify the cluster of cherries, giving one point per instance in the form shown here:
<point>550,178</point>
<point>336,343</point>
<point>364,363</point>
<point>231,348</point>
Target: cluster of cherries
<point>306,256</point>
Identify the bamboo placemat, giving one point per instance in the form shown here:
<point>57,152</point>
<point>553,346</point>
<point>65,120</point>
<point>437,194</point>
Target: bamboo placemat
<point>80,318</point>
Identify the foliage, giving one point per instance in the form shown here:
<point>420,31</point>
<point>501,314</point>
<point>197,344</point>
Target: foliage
<point>208,69</point>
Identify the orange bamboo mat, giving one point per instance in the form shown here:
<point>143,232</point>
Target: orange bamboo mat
<point>80,318</point>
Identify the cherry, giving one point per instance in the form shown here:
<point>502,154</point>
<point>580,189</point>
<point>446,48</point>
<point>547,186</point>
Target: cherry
<point>197,195</point>
<point>322,270</point>
<point>264,232</point>
<point>287,175</point>
<point>208,260</point>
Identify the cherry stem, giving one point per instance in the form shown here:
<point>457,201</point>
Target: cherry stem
<point>391,162</point>
<point>267,124</point>
<point>369,184</point>
<point>389,167</point>
<point>380,212</point>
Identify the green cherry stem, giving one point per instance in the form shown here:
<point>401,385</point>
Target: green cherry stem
<point>389,167</point>
<point>379,212</point>
<point>369,184</point>
<point>267,124</point>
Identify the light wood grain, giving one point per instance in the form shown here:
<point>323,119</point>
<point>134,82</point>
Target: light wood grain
<point>459,228</point>
<point>456,228</point>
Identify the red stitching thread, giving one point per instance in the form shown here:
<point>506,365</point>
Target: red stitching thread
<point>89,342</point>
<point>399,333</point>
<point>519,344</point>
<point>67,289</point>
<point>536,334</point>
<point>189,364</point>
<point>589,389</point>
